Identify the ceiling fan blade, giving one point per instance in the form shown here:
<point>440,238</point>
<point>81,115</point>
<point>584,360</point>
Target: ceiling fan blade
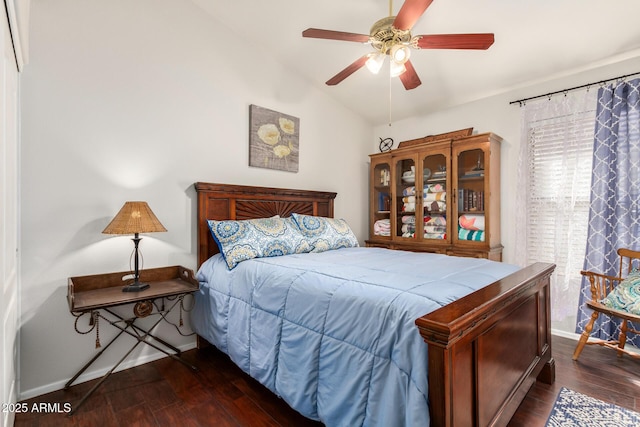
<point>335,35</point>
<point>359,63</point>
<point>410,78</point>
<point>409,13</point>
<point>455,41</point>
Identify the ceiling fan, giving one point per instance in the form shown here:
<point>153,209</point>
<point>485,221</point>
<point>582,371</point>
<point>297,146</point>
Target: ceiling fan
<point>391,36</point>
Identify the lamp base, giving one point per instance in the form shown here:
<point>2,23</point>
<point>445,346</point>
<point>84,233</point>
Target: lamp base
<point>135,287</point>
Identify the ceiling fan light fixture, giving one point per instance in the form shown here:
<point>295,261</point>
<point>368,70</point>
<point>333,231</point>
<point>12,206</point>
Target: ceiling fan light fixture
<point>391,36</point>
<point>396,69</point>
<point>374,62</point>
<point>400,53</point>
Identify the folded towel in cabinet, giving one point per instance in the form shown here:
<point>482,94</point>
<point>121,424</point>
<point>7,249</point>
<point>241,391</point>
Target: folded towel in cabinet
<point>475,235</point>
<point>471,221</point>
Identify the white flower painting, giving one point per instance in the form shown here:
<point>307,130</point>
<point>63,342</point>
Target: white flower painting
<point>273,139</point>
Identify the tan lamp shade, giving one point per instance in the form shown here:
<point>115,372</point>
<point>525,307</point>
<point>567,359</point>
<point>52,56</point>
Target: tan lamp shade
<point>134,217</point>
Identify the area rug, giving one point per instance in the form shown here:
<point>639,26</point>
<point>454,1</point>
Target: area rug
<point>573,409</point>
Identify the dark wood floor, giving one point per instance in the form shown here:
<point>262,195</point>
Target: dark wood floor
<point>166,393</point>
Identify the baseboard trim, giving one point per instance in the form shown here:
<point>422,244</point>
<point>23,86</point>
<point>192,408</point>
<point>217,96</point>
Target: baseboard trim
<point>92,375</point>
<point>576,337</point>
<point>565,334</point>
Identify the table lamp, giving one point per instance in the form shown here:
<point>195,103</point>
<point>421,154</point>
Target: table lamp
<point>135,218</point>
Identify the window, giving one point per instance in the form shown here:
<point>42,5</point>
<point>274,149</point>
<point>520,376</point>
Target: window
<point>557,180</point>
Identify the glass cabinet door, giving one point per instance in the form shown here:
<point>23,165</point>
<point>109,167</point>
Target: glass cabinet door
<point>434,197</point>
<point>470,215</point>
<point>381,200</point>
<point>405,202</point>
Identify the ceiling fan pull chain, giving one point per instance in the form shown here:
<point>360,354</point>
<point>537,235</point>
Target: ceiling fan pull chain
<point>389,101</point>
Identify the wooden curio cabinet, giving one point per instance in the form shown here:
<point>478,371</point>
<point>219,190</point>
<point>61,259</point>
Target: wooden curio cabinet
<point>441,196</point>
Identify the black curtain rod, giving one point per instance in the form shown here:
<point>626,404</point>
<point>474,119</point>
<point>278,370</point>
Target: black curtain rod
<point>601,82</point>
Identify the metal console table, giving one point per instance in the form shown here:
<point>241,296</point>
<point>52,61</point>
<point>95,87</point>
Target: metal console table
<point>97,295</point>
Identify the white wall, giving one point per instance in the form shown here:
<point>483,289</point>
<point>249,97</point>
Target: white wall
<point>137,101</point>
<point>496,114</point>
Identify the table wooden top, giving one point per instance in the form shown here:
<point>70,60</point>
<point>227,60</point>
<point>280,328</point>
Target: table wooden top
<point>105,290</point>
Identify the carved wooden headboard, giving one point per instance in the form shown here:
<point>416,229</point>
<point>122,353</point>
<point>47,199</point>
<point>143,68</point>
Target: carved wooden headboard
<point>224,201</point>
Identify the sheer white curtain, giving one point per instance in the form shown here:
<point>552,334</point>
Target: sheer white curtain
<point>554,187</point>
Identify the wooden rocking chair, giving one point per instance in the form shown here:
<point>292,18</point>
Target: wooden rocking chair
<point>601,286</point>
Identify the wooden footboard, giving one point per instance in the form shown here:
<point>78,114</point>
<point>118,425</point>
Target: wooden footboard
<point>487,349</point>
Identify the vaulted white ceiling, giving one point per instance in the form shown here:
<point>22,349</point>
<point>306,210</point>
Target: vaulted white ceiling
<point>535,40</point>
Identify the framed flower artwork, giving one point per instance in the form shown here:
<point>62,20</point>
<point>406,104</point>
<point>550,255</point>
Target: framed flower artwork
<point>273,139</point>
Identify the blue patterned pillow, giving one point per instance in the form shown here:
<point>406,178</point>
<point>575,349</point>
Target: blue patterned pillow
<point>326,233</point>
<point>625,296</point>
<point>256,238</point>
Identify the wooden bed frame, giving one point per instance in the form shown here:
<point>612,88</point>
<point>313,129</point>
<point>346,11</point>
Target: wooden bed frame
<point>485,350</point>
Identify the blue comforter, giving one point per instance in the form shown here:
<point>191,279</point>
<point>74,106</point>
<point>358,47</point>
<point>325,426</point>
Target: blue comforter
<point>333,333</point>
